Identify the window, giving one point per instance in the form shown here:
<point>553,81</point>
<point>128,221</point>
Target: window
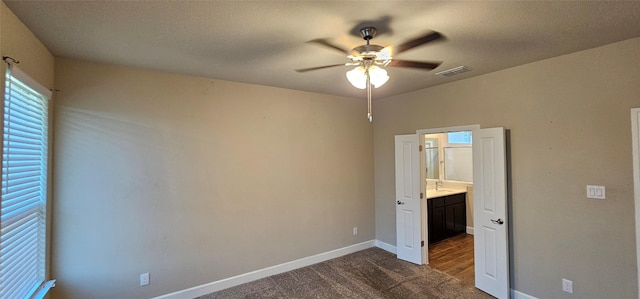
<point>23,205</point>
<point>459,137</point>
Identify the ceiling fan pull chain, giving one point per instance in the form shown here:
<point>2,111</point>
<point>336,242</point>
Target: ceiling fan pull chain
<point>369,114</point>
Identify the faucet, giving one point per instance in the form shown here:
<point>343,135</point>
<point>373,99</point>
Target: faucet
<point>438,184</point>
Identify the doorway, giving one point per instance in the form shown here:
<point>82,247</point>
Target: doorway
<point>448,185</point>
<point>491,244</point>
<point>422,176</point>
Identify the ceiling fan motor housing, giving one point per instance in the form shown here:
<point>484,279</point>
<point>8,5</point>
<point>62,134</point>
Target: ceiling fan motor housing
<point>371,54</point>
<point>368,51</point>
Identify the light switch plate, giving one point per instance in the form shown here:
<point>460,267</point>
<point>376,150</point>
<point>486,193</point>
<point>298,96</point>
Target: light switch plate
<point>144,279</point>
<point>597,192</point>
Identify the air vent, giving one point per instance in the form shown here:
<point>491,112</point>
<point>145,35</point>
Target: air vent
<point>454,71</point>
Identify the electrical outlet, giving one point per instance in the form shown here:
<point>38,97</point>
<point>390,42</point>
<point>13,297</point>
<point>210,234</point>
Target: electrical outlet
<point>144,279</point>
<point>597,192</point>
<point>355,230</point>
<point>567,286</point>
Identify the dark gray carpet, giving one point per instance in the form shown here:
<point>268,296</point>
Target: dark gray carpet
<point>371,273</point>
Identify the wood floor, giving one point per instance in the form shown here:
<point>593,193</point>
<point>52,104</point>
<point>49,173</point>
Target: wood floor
<point>454,256</point>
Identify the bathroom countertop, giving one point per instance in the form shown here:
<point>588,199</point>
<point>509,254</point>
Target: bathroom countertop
<point>432,193</point>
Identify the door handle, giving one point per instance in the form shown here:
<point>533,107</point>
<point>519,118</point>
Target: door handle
<point>499,221</point>
<point>400,203</point>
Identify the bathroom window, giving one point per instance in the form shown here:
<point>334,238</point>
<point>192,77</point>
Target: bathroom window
<point>458,164</point>
<point>459,137</point>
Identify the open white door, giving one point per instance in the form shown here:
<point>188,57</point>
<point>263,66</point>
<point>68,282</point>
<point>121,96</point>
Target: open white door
<point>635,140</point>
<point>490,212</point>
<point>408,218</point>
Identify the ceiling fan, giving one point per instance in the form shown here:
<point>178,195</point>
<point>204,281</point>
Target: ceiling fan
<point>369,60</point>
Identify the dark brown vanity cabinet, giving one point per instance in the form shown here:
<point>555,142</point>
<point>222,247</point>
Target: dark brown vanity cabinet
<point>447,216</point>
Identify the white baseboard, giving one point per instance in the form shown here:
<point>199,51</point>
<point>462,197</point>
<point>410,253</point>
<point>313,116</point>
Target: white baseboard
<point>469,230</point>
<point>222,284</point>
<point>386,246</point>
<point>520,295</point>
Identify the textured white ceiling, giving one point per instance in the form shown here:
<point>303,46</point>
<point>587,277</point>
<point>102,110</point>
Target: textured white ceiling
<point>262,42</point>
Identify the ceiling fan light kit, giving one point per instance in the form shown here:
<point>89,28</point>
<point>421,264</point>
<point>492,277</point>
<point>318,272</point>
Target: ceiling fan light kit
<point>369,61</point>
<point>378,76</point>
<point>358,76</point>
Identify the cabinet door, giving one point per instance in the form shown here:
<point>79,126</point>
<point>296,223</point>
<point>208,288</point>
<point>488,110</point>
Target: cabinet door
<point>459,218</point>
<point>430,220</point>
<point>449,220</point>
<point>455,215</point>
<point>437,224</point>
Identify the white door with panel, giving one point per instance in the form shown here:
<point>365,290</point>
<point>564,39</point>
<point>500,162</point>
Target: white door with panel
<point>407,201</point>
<point>490,212</point>
<point>635,140</point>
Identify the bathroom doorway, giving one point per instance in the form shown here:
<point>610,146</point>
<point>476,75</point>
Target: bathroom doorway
<point>448,186</point>
<point>490,208</point>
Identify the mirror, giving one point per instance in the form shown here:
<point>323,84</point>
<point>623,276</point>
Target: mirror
<point>449,156</point>
<point>432,158</point>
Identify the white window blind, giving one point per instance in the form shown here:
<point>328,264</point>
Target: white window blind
<point>24,186</point>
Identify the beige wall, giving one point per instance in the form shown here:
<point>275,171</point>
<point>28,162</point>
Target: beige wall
<point>195,180</point>
<point>569,123</point>
<point>18,42</point>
